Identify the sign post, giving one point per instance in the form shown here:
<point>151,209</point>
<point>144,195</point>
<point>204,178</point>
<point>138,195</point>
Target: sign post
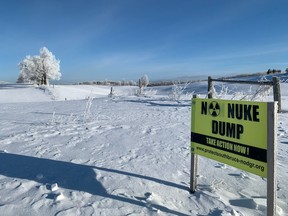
<point>271,159</point>
<point>194,165</point>
<point>237,133</point>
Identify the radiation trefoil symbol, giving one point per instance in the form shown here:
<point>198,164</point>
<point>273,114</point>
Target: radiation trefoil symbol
<point>214,109</point>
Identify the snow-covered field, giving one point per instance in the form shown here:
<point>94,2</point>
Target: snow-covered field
<point>72,150</point>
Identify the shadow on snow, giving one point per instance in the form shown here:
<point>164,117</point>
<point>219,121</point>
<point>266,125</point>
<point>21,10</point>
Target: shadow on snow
<point>70,176</point>
<point>14,86</point>
<point>163,103</point>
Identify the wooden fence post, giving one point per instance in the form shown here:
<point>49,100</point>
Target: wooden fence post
<point>277,92</point>
<point>194,165</point>
<point>210,87</point>
<point>140,87</point>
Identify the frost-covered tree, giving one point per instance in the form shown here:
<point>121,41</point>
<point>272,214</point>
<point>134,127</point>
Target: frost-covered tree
<point>132,83</point>
<point>144,80</point>
<point>27,72</point>
<point>39,69</point>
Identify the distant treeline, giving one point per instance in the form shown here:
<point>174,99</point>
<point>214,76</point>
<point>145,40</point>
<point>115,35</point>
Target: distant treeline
<point>273,71</point>
<point>172,82</point>
<point>269,71</point>
<point>133,83</point>
<point>109,83</point>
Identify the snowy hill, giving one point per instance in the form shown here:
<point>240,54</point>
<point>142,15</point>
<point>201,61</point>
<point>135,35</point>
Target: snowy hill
<point>72,150</point>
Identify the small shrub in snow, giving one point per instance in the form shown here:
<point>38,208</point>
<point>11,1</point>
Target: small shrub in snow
<point>259,93</point>
<point>224,91</point>
<point>60,120</point>
<point>250,93</point>
<point>87,113</point>
<point>149,92</point>
<point>178,90</point>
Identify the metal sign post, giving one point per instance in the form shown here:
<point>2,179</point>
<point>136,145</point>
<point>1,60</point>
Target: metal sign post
<point>271,159</point>
<point>194,165</point>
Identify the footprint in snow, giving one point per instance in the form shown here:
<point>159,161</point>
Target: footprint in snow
<point>221,165</point>
<point>151,200</point>
<point>55,195</point>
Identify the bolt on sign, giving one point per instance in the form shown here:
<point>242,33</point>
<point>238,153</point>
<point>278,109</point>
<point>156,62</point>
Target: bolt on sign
<point>231,132</point>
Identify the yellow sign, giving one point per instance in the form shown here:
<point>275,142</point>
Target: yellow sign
<point>232,132</point>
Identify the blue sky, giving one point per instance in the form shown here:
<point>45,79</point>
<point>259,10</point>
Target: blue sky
<point>125,39</point>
